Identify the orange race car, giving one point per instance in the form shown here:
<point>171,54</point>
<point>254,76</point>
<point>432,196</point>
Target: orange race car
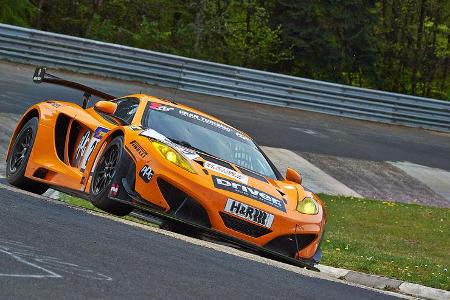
<point>169,160</point>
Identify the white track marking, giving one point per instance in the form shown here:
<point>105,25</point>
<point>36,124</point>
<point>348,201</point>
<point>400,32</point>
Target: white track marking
<point>436,179</point>
<point>49,274</point>
<point>32,257</point>
<point>314,178</point>
<point>214,246</point>
<point>51,194</point>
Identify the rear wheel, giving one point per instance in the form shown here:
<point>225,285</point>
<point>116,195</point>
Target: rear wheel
<point>17,160</point>
<point>103,177</point>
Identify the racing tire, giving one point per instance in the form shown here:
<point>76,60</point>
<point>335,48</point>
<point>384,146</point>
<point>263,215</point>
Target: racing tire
<point>105,171</point>
<point>17,160</point>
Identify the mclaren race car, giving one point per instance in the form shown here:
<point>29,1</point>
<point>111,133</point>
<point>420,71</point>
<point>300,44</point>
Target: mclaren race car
<point>168,160</point>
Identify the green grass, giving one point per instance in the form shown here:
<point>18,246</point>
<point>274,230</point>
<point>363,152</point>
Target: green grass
<point>88,205</point>
<point>403,241</point>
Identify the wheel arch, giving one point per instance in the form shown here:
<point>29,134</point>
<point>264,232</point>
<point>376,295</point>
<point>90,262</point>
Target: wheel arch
<point>29,114</point>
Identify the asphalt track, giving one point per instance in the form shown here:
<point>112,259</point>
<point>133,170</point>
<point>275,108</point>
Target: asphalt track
<point>270,126</point>
<point>59,252</point>
<point>49,250</point>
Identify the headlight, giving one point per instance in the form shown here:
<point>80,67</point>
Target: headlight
<point>308,206</point>
<point>173,156</point>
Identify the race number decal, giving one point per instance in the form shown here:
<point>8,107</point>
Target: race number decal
<point>98,135</point>
<point>81,148</point>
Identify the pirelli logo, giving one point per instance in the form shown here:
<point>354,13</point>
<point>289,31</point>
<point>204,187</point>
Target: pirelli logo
<point>139,149</point>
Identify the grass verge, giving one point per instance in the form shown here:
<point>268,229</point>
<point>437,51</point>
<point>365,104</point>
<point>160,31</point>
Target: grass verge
<point>88,205</point>
<point>403,241</point>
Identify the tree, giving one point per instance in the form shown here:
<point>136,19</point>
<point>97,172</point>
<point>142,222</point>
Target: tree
<point>16,12</point>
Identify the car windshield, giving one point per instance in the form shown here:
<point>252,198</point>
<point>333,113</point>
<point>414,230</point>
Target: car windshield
<point>206,135</point>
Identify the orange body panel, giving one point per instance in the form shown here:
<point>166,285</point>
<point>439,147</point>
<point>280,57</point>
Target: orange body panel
<point>69,171</point>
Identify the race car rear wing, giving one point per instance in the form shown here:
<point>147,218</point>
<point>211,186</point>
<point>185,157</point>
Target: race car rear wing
<point>41,75</point>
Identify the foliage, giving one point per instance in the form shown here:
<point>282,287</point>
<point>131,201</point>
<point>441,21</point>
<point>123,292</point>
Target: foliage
<point>17,12</point>
<point>399,46</point>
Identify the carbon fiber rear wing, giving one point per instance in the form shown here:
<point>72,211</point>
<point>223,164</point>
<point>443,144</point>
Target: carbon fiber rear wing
<point>41,75</point>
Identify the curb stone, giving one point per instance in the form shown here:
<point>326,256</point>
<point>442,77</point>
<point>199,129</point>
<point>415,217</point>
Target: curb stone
<point>384,283</point>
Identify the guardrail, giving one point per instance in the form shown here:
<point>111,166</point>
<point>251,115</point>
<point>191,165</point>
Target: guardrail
<point>88,56</point>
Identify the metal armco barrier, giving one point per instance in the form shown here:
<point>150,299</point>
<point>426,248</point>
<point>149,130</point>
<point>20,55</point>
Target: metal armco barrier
<point>88,56</point>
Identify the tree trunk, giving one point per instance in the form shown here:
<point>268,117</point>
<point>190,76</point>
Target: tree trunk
<point>248,19</point>
<point>444,81</point>
<point>199,22</point>
<point>38,22</point>
<point>95,7</point>
<point>418,51</point>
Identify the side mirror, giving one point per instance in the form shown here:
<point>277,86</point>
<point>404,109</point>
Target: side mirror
<point>106,107</point>
<point>293,176</point>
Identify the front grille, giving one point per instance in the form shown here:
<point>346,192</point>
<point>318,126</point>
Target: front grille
<point>289,245</point>
<point>182,205</point>
<point>244,227</point>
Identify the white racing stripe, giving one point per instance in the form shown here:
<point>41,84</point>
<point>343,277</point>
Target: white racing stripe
<point>314,178</point>
<point>436,179</point>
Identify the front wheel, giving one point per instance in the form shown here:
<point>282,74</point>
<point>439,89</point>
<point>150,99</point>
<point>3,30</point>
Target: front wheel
<point>17,160</point>
<point>103,177</point>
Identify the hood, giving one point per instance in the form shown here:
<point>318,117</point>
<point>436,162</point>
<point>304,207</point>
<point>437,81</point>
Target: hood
<point>226,176</point>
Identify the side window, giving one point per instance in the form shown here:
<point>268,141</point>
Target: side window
<point>126,109</point>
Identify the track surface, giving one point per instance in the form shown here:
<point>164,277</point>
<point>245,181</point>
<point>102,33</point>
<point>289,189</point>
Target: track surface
<point>270,126</point>
<point>85,256</point>
<point>74,254</point>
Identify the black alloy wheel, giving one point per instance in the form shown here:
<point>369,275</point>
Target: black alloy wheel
<point>18,157</point>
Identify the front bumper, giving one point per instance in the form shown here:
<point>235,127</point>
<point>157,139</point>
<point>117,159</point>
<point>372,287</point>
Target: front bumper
<point>191,199</point>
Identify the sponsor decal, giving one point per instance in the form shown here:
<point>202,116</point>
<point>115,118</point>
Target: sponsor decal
<point>248,191</point>
<point>249,213</point>
<point>200,120</point>
<point>146,173</point>
<point>139,149</point>
<point>81,148</point>
<point>114,191</point>
<point>204,120</point>
<point>225,171</point>
<point>160,107</point>
<point>54,104</point>
<point>99,133</point>
<point>212,123</point>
